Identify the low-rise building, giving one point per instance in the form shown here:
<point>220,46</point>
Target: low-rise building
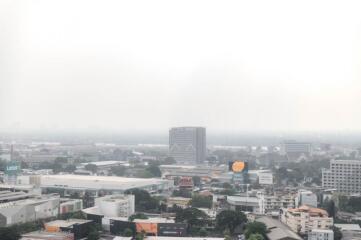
<point>320,234</point>
<point>29,209</point>
<point>179,201</point>
<point>113,206</point>
<point>80,228</point>
<point>70,205</point>
<point>304,219</point>
<point>70,184</point>
<point>350,231</point>
<point>277,230</point>
<point>246,203</point>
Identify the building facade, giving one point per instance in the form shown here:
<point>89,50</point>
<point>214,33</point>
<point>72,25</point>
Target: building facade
<point>343,175</point>
<point>188,144</point>
<point>305,197</point>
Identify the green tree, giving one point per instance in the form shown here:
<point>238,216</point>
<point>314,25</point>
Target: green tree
<point>154,170</point>
<point>227,234</point>
<point>127,232</point>
<point>93,235</point>
<point>57,167</point>
<point>119,171</point>
<point>229,219</point>
<point>169,161</point>
<point>196,181</point>
<point>9,233</point>
<point>254,228</point>
<point>337,234</point>
<point>137,216</point>
<point>61,160</point>
<point>256,236</point>
<point>203,232</point>
<point>143,200</point>
<point>70,168</point>
<point>191,216</point>
<point>200,201</point>
<point>91,167</point>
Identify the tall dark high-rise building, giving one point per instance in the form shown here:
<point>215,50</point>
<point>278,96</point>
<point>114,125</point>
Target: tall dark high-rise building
<point>188,144</point>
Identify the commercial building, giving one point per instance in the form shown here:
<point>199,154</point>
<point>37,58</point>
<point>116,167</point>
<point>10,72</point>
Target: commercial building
<point>320,234</point>
<point>113,206</point>
<point>71,184</point>
<point>344,176</point>
<point>305,197</point>
<point>304,219</point>
<point>187,144</point>
<point>29,209</point>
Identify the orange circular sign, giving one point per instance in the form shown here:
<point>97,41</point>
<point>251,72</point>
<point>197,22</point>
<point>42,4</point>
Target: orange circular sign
<point>238,166</point>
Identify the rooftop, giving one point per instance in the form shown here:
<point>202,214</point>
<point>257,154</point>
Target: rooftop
<point>277,230</point>
<point>66,223</point>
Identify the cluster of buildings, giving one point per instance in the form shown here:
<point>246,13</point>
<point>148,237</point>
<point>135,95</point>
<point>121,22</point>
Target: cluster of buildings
<point>288,213</point>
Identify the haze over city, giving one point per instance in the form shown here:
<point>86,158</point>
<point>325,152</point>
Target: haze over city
<point>149,65</point>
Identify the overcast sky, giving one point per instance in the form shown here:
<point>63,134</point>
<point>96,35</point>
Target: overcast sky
<point>149,65</point>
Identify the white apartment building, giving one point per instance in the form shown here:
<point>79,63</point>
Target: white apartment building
<point>276,202</point>
<point>343,175</point>
<point>304,219</point>
<point>320,234</point>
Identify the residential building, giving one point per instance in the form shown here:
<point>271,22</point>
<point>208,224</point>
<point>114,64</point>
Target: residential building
<point>304,219</point>
<point>187,144</point>
<point>320,234</point>
<point>273,203</point>
<point>344,176</point>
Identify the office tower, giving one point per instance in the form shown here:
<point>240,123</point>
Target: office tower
<point>296,150</point>
<point>187,144</point>
<point>343,175</point>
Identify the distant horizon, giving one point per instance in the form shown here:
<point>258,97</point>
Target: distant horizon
<point>161,137</point>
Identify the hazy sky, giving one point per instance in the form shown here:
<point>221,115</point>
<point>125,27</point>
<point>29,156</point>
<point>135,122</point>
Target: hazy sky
<point>149,65</point>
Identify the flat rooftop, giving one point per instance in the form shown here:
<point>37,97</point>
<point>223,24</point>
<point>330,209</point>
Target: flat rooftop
<point>69,181</point>
<point>67,223</point>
